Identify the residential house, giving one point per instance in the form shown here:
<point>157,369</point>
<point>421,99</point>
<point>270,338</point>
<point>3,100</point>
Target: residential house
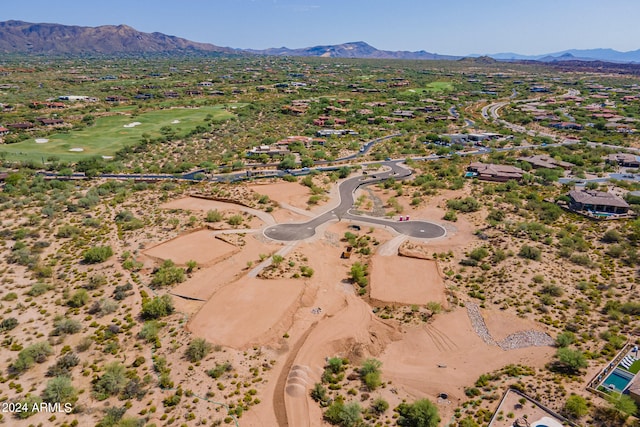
<point>335,132</point>
<point>597,202</point>
<point>545,161</point>
<point>626,160</point>
<point>116,98</point>
<point>49,122</point>
<point>4,131</point>
<point>566,125</point>
<point>268,150</point>
<point>21,125</point>
<point>494,172</point>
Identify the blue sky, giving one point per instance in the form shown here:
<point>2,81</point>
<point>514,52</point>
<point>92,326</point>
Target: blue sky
<point>456,27</point>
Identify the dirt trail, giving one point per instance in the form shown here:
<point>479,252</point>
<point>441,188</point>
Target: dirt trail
<point>353,332</point>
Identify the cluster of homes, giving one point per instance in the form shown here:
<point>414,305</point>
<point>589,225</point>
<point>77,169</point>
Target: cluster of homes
<point>281,147</point>
<point>589,202</point>
<point>552,111</point>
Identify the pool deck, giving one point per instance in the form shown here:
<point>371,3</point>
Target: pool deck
<point>617,363</point>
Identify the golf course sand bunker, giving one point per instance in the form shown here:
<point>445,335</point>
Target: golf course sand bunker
<point>248,312</point>
<point>77,149</point>
<point>132,125</point>
<point>396,279</point>
<point>175,122</point>
<point>41,140</point>
<point>200,246</point>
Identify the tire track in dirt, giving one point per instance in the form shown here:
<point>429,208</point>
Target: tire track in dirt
<point>441,340</point>
<point>279,407</point>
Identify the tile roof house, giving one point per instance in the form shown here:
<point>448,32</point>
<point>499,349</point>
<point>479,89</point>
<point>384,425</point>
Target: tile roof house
<point>494,172</point>
<point>626,160</point>
<point>544,161</point>
<point>597,201</point>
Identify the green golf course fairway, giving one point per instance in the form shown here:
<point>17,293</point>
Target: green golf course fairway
<point>433,87</point>
<point>109,134</point>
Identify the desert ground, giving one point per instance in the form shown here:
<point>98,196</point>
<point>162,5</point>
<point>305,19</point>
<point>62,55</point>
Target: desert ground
<point>301,321</point>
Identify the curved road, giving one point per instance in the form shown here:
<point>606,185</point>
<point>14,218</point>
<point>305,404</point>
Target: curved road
<point>300,231</point>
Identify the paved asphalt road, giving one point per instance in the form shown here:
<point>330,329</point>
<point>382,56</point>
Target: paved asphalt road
<point>300,231</point>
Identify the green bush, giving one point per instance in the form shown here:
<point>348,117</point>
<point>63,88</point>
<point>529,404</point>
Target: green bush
<point>421,413</point>
<point>197,350</point>
<point>97,254</point>
<point>78,299</point>
<point>168,274</point>
<point>111,382</point>
<point>35,353</point>
<point>530,252</point>
<point>60,390</point>
<point>157,307</point>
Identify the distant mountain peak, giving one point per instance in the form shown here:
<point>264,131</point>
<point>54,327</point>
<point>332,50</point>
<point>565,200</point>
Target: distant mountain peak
<point>357,49</point>
<point>56,39</point>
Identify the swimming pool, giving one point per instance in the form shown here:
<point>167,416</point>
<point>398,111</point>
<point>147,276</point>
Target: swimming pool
<point>618,380</point>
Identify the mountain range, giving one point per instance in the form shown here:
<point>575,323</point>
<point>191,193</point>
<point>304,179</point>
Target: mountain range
<point>55,39</point>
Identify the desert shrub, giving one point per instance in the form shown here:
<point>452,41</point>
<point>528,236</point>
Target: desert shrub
<point>235,220</point>
<point>343,415</point>
<point>8,324</point>
<point>576,406</point>
<point>66,231</point>
<point>168,274</point>
<point>379,405</point>
<point>565,339</point>
<point>63,365</point>
<point>60,389</point>
<point>103,306</point>
<point>370,373</point>
<point>530,252</point>
<point>38,289</point>
<point>111,382</point>
<point>197,350</point>
<point>358,274</point>
<point>468,204</point>
<point>157,307</point>
<point>219,370</point>
<point>319,394</point>
<point>29,402</point>
<point>11,296</point>
<point>35,353</point>
<point>64,326</point>
<point>213,216</point>
<point>96,281</point>
<point>97,254</point>
<point>479,253</point>
<point>78,299</point>
<point>450,216</point>
<point>149,331</point>
<point>421,413</point>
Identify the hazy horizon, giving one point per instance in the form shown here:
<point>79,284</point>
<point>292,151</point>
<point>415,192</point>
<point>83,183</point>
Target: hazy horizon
<point>455,28</point>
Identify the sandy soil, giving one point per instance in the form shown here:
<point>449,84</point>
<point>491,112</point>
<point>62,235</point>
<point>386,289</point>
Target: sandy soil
<point>413,363</point>
<point>201,246</point>
<point>290,193</point>
<point>204,282</point>
<point>248,312</point>
<point>402,280</point>
<point>533,413</point>
<point>204,205</point>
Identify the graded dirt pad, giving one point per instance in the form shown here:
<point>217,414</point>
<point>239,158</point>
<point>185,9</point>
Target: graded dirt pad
<point>396,279</point>
<point>200,246</point>
<point>204,205</point>
<point>248,312</point>
<point>502,324</point>
<point>206,281</point>
<point>446,356</point>
<point>291,193</point>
